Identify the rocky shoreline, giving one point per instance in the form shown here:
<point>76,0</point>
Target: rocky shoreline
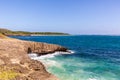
<point>17,65</point>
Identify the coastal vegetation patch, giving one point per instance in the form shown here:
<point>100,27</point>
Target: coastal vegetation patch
<point>26,33</point>
<point>6,74</point>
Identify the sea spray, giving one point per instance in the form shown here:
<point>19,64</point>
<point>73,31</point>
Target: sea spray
<point>45,59</point>
<point>51,55</point>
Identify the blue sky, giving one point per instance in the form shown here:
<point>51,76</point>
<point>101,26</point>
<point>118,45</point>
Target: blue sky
<point>70,16</point>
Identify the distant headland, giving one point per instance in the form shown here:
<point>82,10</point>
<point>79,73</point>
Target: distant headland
<point>26,33</point>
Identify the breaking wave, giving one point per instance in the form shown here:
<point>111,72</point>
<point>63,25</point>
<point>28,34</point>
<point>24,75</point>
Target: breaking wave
<point>36,57</point>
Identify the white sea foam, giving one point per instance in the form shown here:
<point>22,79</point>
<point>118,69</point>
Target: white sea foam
<point>34,56</point>
<point>92,79</point>
<point>47,59</point>
<point>49,55</point>
<point>71,51</point>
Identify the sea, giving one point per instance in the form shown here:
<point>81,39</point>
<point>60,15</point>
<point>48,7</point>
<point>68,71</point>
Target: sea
<point>91,57</point>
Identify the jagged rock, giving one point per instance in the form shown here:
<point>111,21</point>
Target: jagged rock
<point>17,50</point>
<point>14,57</point>
<point>37,75</point>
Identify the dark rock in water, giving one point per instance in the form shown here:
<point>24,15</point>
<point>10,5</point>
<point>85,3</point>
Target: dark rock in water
<point>14,59</point>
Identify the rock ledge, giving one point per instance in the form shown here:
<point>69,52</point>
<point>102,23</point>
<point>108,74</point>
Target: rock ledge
<point>14,57</point>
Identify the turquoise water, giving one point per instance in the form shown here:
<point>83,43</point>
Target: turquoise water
<point>94,57</point>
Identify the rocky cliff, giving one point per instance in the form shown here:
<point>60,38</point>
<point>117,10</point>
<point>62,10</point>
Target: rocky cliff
<point>15,63</point>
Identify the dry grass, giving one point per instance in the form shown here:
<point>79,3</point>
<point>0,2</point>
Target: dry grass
<point>7,75</point>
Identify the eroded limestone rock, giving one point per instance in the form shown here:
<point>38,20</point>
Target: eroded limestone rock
<point>14,58</point>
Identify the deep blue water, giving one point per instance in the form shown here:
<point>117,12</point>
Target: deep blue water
<point>95,57</point>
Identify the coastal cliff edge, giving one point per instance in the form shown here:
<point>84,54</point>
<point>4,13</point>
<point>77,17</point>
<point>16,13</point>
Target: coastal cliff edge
<point>15,64</point>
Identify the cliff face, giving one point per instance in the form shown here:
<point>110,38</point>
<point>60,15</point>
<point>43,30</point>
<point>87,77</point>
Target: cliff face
<point>42,48</point>
<point>14,57</point>
<point>18,49</point>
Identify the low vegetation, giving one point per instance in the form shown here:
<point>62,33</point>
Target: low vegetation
<point>7,75</point>
<point>25,33</point>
